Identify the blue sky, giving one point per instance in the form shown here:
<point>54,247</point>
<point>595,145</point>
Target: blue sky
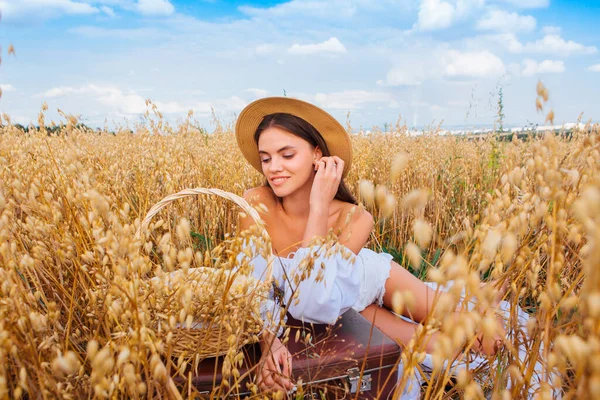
<point>426,61</point>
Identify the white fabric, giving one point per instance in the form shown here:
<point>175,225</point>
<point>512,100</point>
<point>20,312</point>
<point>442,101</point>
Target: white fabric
<point>331,289</point>
<point>374,274</point>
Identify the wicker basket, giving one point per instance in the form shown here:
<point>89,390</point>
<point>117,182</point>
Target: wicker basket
<point>214,341</point>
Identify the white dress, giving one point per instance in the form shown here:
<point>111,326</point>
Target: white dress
<point>338,281</point>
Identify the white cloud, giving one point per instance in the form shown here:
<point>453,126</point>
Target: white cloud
<point>108,11</point>
<point>439,64</point>
<point>435,14</point>
<point>549,44</point>
<point>509,41</point>
<point>514,68</point>
<point>133,33</point>
<point>44,9</point>
<point>155,7</point>
<point>59,92</point>
<point>264,48</point>
<point>531,67</point>
<point>551,30</point>
<point>19,9</point>
<point>503,21</point>
<point>472,64</point>
<point>129,102</point>
<point>403,76</point>
<point>554,44</point>
<point>7,87</point>
<point>331,45</point>
<point>529,3</point>
<point>440,14</point>
<point>350,99</point>
<point>257,93</point>
<point>416,65</point>
<point>594,68</point>
<point>433,107</point>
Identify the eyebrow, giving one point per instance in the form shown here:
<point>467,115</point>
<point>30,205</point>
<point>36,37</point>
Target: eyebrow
<point>278,151</point>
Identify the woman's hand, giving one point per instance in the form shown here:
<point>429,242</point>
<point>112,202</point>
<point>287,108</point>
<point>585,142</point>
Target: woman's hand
<point>276,366</point>
<point>325,186</point>
<point>326,183</point>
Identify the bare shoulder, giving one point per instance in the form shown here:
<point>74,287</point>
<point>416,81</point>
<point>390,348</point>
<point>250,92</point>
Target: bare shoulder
<point>260,194</point>
<point>354,225</point>
<point>352,215</point>
<point>255,196</point>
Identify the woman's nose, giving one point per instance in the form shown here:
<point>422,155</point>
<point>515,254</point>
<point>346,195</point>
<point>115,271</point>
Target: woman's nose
<point>275,164</point>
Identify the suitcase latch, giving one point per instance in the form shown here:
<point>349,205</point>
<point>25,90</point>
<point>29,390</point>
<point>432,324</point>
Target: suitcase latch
<point>353,380</point>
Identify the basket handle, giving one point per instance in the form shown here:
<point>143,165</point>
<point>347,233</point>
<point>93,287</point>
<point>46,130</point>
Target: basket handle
<point>240,201</point>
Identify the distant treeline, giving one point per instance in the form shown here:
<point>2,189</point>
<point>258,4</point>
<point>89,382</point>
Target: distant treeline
<point>61,129</point>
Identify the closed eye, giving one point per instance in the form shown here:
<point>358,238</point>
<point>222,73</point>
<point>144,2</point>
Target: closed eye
<point>286,156</point>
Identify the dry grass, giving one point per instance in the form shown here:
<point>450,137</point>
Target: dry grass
<point>80,316</point>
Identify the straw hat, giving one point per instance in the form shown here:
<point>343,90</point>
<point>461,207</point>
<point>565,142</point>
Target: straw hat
<point>334,134</point>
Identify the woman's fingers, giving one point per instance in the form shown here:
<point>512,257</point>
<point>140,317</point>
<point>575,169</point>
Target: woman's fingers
<point>282,382</point>
<point>271,372</point>
<point>318,165</point>
<point>266,380</point>
<point>287,369</point>
<point>339,167</point>
<point>337,160</point>
<point>284,359</point>
<point>286,362</point>
<point>330,167</point>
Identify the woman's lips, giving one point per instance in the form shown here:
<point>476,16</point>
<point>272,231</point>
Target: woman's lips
<point>279,180</point>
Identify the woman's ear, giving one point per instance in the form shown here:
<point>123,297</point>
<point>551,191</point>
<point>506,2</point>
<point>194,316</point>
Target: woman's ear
<point>318,154</point>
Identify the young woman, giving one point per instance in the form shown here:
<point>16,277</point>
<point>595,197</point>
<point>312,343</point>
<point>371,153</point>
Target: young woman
<point>304,154</point>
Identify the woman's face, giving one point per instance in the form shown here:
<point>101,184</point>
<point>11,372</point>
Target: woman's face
<point>286,159</point>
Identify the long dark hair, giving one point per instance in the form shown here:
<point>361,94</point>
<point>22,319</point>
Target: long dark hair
<point>301,128</point>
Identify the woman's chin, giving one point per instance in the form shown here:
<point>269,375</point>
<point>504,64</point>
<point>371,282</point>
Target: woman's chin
<point>280,191</point>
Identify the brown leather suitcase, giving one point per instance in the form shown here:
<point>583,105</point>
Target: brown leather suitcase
<point>351,359</point>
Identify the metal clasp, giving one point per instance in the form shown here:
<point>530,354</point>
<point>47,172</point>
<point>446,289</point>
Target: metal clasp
<point>353,380</point>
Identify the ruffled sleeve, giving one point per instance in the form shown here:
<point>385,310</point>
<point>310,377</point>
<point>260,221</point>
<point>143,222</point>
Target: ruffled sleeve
<point>320,283</point>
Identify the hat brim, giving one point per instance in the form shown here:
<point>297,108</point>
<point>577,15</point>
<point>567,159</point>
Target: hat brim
<point>334,134</point>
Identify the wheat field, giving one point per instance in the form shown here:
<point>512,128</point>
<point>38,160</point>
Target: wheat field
<point>82,314</point>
